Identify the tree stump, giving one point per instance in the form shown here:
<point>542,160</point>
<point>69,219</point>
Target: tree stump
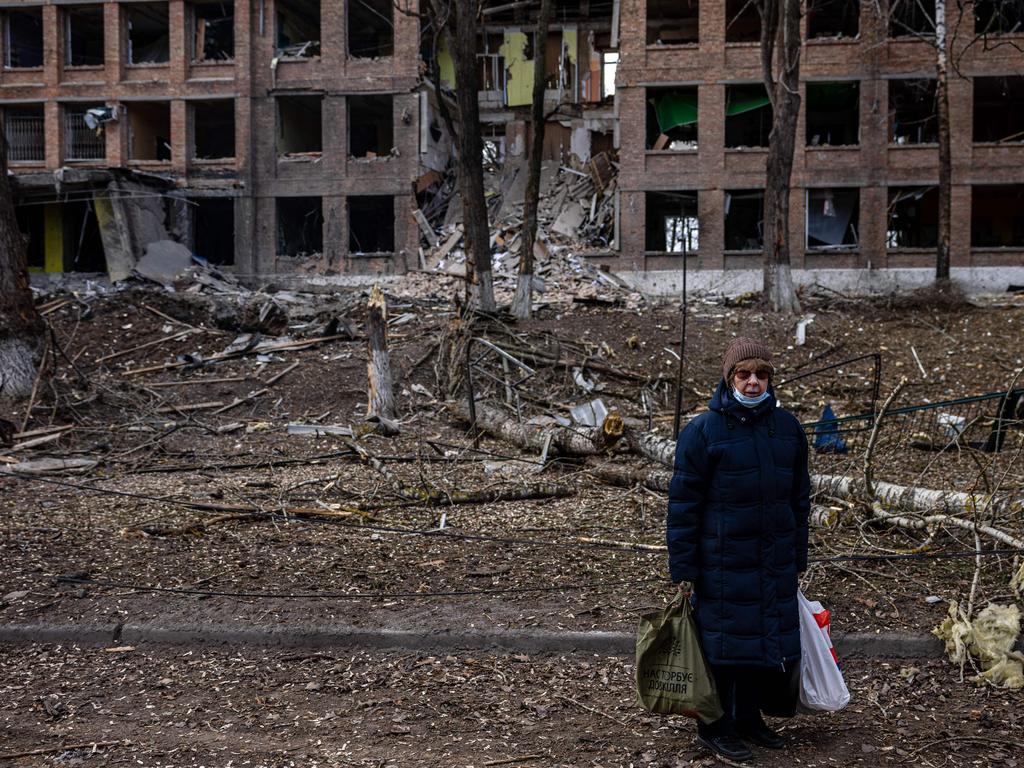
<point>380,397</point>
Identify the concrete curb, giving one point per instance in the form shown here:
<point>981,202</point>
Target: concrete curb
<point>900,645</point>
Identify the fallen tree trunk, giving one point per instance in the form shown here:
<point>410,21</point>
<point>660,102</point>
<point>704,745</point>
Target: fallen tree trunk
<point>578,441</point>
<point>913,499</point>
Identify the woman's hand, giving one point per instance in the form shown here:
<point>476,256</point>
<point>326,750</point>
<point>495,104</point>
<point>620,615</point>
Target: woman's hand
<point>685,588</point>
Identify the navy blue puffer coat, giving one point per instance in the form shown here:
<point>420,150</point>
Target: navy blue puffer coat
<point>737,528</point>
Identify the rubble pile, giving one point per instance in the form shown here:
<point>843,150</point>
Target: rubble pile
<point>575,216</point>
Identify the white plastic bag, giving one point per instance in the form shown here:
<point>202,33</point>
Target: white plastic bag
<point>822,688</point>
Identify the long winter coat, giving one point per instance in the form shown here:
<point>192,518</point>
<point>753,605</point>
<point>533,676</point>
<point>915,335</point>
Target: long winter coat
<point>737,528</point>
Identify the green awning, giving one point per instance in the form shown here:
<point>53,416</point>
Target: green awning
<point>739,106</point>
<point>675,109</point>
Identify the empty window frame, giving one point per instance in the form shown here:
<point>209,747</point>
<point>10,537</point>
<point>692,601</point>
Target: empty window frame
<point>748,116</point>
<point>911,18</point>
<point>83,36</point>
<point>491,62</point>
<point>833,114</point>
<point>31,218</point>
<point>998,17</point>
<point>999,108</point>
<point>912,217</point>
<point>25,133</point>
<point>371,224</point>
<point>298,28</point>
<point>213,129</point>
<point>370,125</point>
<point>742,21</point>
<point>80,141</point>
<point>148,33</point>
<point>997,216</point>
<point>299,126</point>
<point>83,245</point>
<point>371,28</point>
<point>609,64</point>
<point>149,130</point>
<point>913,116</point>
<point>23,38</point>
<point>744,219</point>
<point>833,218</point>
<point>212,30</point>
<point>300,226</point>
<point>213,229</point>
<point>833,18</point>
<point>672,22</point>
<point>672,118</point>
<point>672,225</point>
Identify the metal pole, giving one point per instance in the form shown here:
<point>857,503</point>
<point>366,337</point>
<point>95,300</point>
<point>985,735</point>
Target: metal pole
<point>682,356</point>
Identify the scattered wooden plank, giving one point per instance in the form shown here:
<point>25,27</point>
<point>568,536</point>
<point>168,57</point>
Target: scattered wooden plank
<point>147,345</point>
<point>192,407</point>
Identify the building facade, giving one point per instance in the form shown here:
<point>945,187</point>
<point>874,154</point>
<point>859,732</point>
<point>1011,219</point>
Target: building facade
<point>292,136</point>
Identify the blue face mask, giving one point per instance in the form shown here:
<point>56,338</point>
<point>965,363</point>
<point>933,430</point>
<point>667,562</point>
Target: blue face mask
<point>750,402</point>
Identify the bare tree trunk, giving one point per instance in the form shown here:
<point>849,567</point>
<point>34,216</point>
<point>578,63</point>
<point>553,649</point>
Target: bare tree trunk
<point>21,329</point>
<point>470,161</point>
<point>523,301</point>
<point>780,51</point>
<point>380,397</point>
<point>945,149</point>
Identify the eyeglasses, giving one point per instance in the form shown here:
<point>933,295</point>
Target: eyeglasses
<point>762,373</point>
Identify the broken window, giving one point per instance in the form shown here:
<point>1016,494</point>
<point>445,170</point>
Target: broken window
<point>23,38</point>
<point>997,216</point>
<point>149,130</point>
<point>148,33</point>
<point>213,129</point>
<point>299,126</point>
<point>913,216</point>
<point>371,224</point>
<point>80,141</point>
<point>298,28</point>
<point>913,118</point>
<point>83,245</point>
<point>999,108</point>
<point>671,223</point>
<point>213,30</point>
<point>370,126</point>
<point>371,28</point>
<point>911,18</point>
<point>300,226</point>
<point>25,133</point>
<point>83,36</point>
<point>742,21</point>
<point>998,17</point>
<point>560,63</point>
<point>833,18</point>
<point>833,114</point>
<point>672,118</point>
<point>32,226</point>
<point>748,116</point>
<point>609,64</point>
<point>832,218</point>
<point>213,229</point>
<point>492,63</point>
<point>744,219</point>
<point>672,22</point>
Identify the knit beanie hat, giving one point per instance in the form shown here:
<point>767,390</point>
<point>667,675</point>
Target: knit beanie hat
<point>742,348</point>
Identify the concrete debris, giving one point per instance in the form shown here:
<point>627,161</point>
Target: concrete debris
<point>164,262</point>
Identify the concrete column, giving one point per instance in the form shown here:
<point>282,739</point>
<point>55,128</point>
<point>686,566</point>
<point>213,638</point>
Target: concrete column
<point>115,52</point>
<point>711,213</point>
<point>180,149</point>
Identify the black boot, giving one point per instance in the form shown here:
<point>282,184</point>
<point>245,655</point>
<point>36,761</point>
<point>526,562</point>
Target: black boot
<point>721,739</point>
<point>758,732</point>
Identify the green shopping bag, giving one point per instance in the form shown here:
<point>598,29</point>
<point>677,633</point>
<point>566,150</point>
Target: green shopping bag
<point>672,675</point>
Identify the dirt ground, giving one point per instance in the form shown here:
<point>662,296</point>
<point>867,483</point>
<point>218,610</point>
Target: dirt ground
<point>150,517</point>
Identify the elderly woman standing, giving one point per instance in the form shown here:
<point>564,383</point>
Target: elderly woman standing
<point>737,538</point>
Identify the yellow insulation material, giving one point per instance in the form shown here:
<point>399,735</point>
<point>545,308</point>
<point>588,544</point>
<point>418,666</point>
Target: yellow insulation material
<point>989,639</point>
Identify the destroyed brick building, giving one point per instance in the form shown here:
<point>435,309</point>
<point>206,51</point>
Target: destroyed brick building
<point>294,137</point>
